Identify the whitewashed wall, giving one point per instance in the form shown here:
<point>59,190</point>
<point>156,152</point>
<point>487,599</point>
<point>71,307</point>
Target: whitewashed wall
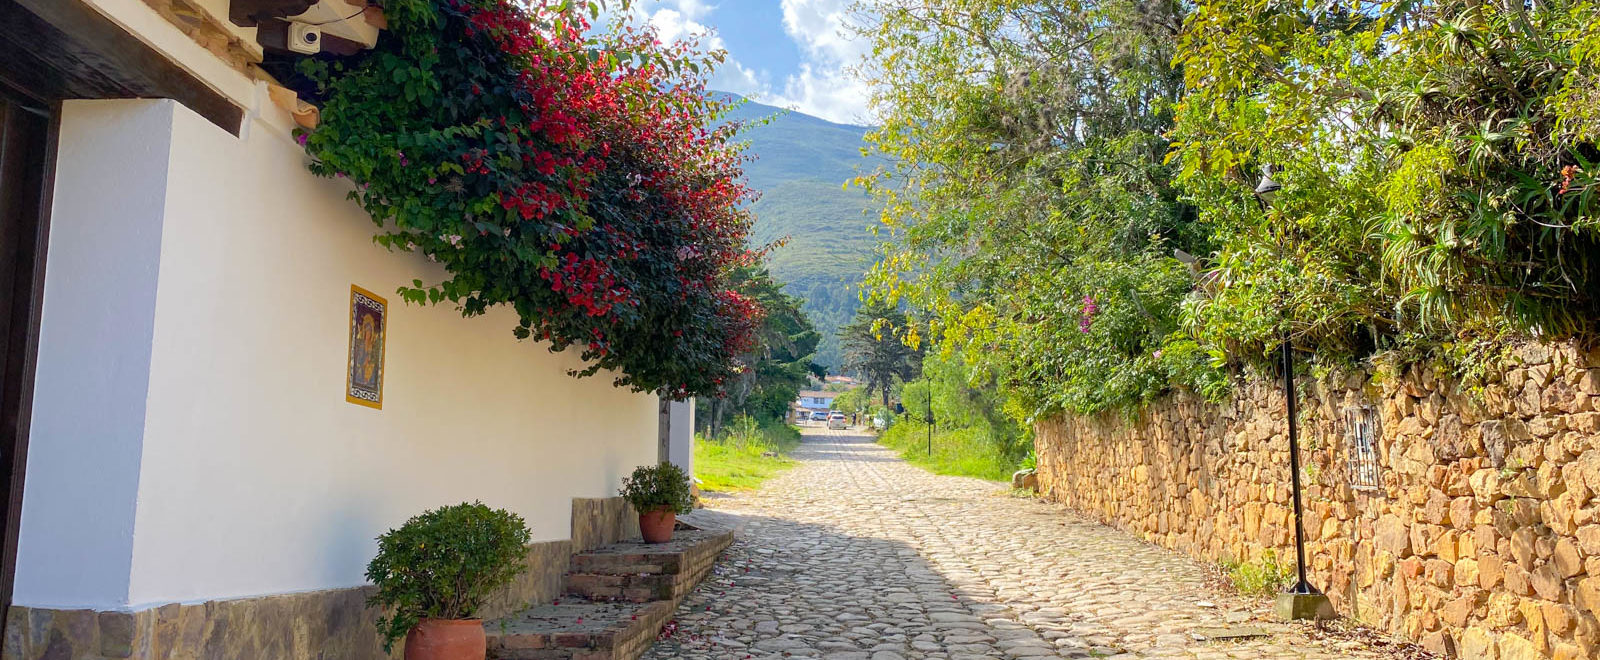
<point>253,475</point>
<point>82,476</point>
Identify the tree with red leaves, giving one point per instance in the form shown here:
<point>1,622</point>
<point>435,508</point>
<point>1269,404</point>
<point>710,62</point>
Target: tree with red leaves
<point>580,177</point>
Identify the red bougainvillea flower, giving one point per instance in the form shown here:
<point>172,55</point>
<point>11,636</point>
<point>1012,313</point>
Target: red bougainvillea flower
<point>578,176</point>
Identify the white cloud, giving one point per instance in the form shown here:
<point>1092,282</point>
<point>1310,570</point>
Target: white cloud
<point>692,8</point>
<point>680,20</point>
<point>732,76</point>
<point>819,27</point>
<point>671,25</point>
<point>824,86</point>
<point>827,92</point>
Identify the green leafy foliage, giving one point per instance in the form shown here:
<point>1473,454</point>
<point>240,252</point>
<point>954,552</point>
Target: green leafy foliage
<point>1031,215</point>
<point>443,564</point>
<point>976,429</point>
<point>780,361</point>
<point>1263,577</point>
<point>664,486</point>
<point>965,452</point>
<point>1071,202</point>
<point>880,345</point>
<point>1437,175</point>
<point>854,400</point>
<point>576,176</point>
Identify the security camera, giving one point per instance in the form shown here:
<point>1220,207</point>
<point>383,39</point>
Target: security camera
<point>305,38</point>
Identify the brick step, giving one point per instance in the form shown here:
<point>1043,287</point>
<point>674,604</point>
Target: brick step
<point>638,588</point>
<point>578,629</point>
<point>619,597</point>
<point>689,551</point>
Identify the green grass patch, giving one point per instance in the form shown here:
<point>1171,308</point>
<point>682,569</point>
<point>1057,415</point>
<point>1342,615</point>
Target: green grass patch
<point>958,452</point>
<point>1263,577</point>
<point>744,456</point>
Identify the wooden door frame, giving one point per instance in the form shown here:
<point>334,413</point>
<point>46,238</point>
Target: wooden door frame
<point>17,379</point>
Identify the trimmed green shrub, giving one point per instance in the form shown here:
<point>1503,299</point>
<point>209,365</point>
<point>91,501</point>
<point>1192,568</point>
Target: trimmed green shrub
<point>665,485</point>
<point>443,564</point>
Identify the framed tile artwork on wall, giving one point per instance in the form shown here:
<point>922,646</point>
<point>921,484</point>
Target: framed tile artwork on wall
<point>369,319</point>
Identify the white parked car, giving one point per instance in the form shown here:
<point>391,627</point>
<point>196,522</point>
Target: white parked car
<point>837,421</point>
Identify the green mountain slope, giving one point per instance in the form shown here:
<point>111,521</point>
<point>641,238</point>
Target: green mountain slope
<point>801,164</point>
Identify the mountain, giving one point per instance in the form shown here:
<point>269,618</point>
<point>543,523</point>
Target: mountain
<point>800,166</point>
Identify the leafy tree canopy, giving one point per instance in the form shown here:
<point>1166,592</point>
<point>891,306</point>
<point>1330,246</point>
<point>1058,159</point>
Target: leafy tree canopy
<point>1071,206</point>
<point>781,360</point>
<point>1031,214</point>
<point>1438,169</point>
<point>881,346</point>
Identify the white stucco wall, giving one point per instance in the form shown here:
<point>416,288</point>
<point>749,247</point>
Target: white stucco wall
<point>253,474</point>
<point>94,355</point>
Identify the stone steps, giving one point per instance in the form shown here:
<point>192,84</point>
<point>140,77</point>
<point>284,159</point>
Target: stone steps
<point>618,598</point>
<point>578,629</point>
<point>639,572</point>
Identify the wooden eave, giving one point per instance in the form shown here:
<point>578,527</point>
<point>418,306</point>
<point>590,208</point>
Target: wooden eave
<point>64,49</point>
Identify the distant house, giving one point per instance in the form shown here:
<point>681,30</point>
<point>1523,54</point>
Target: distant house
<point>814,401</point>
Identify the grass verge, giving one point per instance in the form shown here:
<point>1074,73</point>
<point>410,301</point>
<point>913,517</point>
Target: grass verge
<point>957,452</point>
<point>745,456</point>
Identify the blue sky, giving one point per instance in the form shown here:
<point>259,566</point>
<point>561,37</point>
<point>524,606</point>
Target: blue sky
<point>787,53</point>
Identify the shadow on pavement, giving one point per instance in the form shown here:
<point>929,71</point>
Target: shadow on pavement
<point>792,589</point>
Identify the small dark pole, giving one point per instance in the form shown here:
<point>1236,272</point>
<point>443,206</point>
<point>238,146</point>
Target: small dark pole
<point>1301,586</point>
<point>930,419</point>
<point>1264,193</point>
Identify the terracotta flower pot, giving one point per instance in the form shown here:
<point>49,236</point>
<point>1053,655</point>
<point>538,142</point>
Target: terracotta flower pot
<point>656,525</point>
<point>447,639</point>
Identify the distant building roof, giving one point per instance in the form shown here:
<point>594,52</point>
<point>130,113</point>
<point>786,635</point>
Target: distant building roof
<point>820,394</point>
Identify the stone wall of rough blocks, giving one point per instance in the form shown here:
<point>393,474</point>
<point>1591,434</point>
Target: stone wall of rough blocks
<point>1482,540</point>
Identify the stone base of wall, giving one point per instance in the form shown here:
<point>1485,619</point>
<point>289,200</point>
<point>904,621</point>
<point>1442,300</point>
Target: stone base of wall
<point>598,521</point>
<point>1481,539</point>
<point>321,625</point>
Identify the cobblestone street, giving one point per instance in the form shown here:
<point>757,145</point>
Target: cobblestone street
<point>856,555</point>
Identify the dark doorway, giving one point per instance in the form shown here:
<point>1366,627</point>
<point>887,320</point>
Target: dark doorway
<point>25,148</point>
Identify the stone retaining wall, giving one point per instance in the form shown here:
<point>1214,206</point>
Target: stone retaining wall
<point>1481,540</point>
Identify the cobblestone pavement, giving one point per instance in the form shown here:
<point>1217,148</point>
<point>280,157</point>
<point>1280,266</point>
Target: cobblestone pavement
<point>856,555</point>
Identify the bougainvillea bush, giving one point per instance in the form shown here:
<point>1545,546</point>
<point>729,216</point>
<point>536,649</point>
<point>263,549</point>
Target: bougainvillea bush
<point>577,176</point>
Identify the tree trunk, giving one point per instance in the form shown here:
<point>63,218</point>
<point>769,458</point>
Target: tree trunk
<point>718,408</point>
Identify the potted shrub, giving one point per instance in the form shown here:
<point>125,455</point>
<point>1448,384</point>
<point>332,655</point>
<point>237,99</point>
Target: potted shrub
<point>434,573</point>
<point>659,494</point>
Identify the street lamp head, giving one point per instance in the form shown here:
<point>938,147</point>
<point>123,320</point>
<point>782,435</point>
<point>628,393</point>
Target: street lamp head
<point>1268,188</point>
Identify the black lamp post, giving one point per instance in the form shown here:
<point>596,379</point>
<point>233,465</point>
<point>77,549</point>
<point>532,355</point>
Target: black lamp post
<point>1302,601</point>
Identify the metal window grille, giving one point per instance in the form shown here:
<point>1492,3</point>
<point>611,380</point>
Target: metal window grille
<point>1361,432</point>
